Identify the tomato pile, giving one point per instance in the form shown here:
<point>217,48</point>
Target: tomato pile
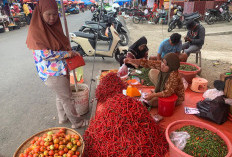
<point>54,144</point>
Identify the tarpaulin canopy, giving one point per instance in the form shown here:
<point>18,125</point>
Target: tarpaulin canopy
<point>122,1</point>
<point>87,2</point>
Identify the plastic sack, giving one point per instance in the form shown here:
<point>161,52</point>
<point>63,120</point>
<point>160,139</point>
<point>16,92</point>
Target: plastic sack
<point>122,71</point>
<point>185,83</point>
<point>215,110</point>
<point>212,94</point>
<point>179,139</point>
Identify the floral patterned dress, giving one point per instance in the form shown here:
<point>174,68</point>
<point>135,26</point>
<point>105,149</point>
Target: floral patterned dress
<point>50,63</point>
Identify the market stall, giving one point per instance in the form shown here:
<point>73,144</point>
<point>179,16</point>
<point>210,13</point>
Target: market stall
<point>178,115</point>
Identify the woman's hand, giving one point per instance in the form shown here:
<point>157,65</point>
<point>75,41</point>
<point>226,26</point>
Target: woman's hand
<point>149,96</point>
<point>133,62</point>
<point>73,54</point>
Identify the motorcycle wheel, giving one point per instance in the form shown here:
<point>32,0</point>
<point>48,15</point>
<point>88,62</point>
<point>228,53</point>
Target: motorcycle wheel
<point>155,19</point>
<point>117,55</point>
<point>209,20</point>
<point>171,26</point>
<point>136,20</point>
<point>79,50</point>
<point>124,40</point>
<point>228,17</point>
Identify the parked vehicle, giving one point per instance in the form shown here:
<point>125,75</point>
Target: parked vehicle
<point>86,44</point>
<point>218,14</point>
<point>140,16</point>
<point>72,10</point>
<point>177,19</point>
<point>92,27</point>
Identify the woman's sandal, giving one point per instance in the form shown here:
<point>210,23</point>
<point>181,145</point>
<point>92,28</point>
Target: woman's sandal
<point>63,121</point>
<point>84,123</point>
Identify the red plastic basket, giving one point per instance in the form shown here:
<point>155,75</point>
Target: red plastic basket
<point>175,152</point>
<point>189,75</point>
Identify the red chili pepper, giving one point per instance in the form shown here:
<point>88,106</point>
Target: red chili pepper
<point>124,128</point>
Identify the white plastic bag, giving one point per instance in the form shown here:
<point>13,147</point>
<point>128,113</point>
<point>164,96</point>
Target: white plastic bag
<point>122,71</point>
<point>185,83</point>
<point>179,139</point>
<point>212,94</point>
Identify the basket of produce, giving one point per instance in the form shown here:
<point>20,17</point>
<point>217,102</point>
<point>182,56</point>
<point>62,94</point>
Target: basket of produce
<point>204,140</point>
<point>58,141</point>
<point>188,71</point>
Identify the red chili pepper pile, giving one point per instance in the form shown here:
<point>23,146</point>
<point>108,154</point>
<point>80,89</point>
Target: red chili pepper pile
<point>109,85</point>
<point>125,128</point>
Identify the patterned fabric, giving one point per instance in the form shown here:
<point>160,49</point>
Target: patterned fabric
<point>174,84</point>
<point>50,63</point>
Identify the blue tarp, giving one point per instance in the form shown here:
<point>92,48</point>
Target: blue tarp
<point>86,2</point>
<point>121,1</point>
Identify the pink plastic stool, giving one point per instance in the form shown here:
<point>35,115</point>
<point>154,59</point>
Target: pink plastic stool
<point>199,85</point>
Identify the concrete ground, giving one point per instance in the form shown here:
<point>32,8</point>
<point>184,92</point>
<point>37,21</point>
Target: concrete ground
<point>27,105</point>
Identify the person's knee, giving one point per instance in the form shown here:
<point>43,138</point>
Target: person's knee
<point>183,57</point>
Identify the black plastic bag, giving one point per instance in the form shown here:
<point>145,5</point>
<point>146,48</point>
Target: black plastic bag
<point>215,110</point>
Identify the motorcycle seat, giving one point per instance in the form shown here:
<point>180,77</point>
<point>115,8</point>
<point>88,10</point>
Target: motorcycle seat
<point>84,35</point>
<point>94,26</point>
<point>194,16</point>
<point>187,15</point>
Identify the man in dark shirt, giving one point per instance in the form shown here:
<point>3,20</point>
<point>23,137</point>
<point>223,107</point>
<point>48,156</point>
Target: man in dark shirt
<point>194,40</point>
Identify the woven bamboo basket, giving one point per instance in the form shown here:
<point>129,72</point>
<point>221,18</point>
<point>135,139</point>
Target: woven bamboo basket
<point>69,131</point>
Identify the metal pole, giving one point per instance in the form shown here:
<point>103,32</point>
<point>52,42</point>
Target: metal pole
<point>67,34</point>
<point>169,10</point>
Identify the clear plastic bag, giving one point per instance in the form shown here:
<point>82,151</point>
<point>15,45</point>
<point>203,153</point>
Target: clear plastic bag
<point>122,71</point>
<point>179,139</point>
<point>185,83</point>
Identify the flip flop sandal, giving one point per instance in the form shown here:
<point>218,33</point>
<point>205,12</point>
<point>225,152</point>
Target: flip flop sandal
<point>84,123</point>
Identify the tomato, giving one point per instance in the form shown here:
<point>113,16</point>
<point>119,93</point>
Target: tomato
<point>30,155</point>
<point>56,146</point>
<point>32,142</point>
<point>46,152</point>
<point>56,141</point>
<point>71,152</point>
<point>46,143</point>
<point>74,156</point>
<point>21,155</point>
<point>36,155</point>
<point>36,149</point>
<point>61,143</point>
<point>41,155</point>
<point>51,152</point>
<point>77,137</point>
<point>74,141</point>
<point>41,143</point>
<point>61,147</point>
<point>69,155</point>
<point>78,143</point>
<point>77,153</point>
<point>69,145</point>
<point>66,150</point>
<point>56,155</point>
<point>36,138</point>
<point>65,141</point>
<point>68,137</point>
<point>61,152</point>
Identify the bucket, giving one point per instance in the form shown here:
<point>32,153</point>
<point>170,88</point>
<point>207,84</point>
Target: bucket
<point>189,75</point>
<point>81,98</point>
<point>175,152</point>
<point>166,105</point>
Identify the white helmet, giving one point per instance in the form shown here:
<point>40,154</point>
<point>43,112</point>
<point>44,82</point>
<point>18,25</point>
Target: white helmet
<point>115,7</point>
